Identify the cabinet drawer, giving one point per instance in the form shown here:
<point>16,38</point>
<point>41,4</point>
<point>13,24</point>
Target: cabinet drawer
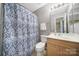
<point>63,43</point>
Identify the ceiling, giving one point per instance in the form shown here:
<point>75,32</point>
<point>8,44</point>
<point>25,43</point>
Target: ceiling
<point>33,6</point>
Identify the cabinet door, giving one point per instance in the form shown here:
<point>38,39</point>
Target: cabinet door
<point>53,50</point>
<point>64,51</point>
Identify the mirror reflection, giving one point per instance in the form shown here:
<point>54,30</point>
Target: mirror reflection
<point>66,18</point>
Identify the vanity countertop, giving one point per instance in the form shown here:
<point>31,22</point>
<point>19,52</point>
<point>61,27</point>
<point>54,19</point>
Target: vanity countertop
<point>66,37</point>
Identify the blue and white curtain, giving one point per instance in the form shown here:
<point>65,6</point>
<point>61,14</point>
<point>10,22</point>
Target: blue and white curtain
<point>20,30</point>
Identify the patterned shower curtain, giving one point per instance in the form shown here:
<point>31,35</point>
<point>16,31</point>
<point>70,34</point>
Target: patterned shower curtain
<point>20,30</point>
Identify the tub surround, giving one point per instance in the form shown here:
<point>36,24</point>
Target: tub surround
<point>62,44</point>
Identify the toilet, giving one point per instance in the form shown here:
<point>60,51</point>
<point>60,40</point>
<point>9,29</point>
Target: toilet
<point>40,46</point>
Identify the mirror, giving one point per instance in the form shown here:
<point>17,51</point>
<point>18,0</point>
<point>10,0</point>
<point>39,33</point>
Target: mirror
<point>60,25</point>
<point>66,18</point>
<point>74,18</point>
<point>59,18</point>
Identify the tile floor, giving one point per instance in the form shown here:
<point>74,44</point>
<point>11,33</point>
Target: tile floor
<point>35,54</point>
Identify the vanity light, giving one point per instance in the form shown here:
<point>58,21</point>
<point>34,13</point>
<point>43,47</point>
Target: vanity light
<point>57,5</point>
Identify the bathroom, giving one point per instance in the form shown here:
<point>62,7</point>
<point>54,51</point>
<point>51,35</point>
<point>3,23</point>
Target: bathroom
<point>39,29</point>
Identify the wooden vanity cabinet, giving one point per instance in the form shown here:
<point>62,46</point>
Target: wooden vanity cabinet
<point>56,47</point>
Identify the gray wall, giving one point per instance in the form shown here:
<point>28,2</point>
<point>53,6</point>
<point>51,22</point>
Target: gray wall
<point>43,15</point>
<point>1,27</point>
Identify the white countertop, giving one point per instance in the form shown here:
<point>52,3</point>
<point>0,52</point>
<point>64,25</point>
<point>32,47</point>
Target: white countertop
<point>65,36</point>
